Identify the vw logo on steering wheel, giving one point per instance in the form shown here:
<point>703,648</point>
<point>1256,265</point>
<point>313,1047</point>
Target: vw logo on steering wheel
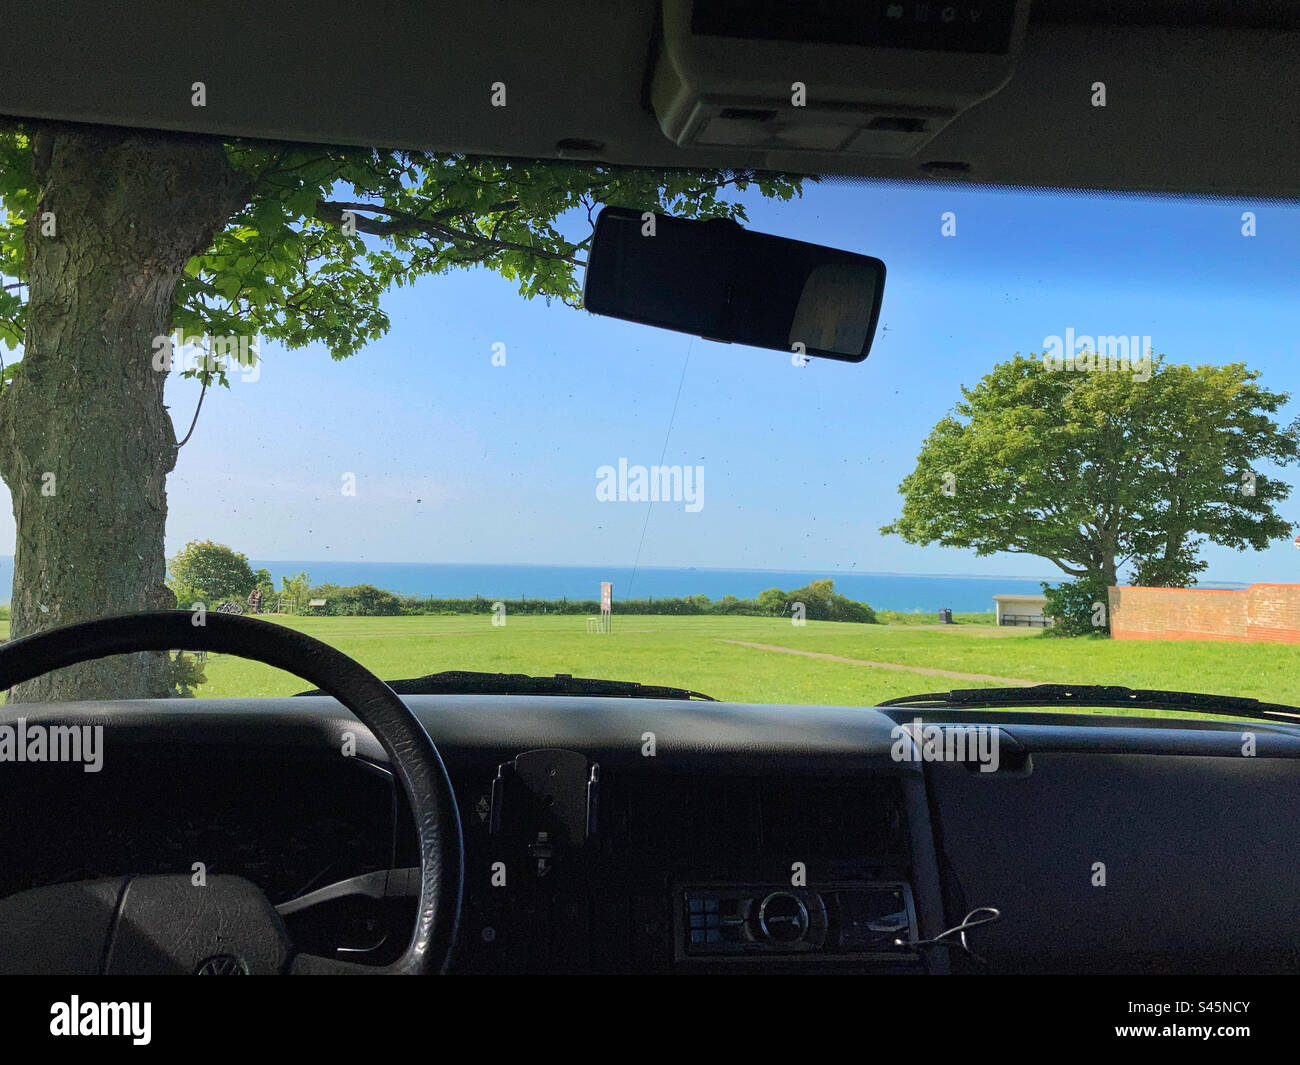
<point>221,965</point>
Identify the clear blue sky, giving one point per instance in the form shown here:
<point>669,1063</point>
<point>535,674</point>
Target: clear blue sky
<point>460,461</point>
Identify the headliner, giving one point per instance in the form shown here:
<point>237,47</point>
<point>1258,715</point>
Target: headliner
<point>1202,96</point>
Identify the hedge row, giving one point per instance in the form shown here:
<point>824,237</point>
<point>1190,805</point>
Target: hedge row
<point>365,600</point>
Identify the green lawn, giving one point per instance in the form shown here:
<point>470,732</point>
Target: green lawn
<point>692,652</point>
<point>695,652</point>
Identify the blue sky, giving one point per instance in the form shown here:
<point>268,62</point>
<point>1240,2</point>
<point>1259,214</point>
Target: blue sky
<point>457,460</point>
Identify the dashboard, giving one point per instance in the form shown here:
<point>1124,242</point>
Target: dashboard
<point>621,836</point>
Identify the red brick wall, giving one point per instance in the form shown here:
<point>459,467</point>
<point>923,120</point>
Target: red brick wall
<point>1262,612</point>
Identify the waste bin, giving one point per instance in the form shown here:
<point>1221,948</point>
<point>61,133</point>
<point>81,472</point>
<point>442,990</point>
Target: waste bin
<point>945,616</point>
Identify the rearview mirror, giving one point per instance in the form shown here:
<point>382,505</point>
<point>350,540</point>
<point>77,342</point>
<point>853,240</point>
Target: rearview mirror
<point>722,282</point>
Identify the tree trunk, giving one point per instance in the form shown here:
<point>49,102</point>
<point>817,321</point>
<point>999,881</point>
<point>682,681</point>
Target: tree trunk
<point>85,441</point>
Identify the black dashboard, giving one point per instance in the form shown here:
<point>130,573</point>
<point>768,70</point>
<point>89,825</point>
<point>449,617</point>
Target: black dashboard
<point>610,835</point>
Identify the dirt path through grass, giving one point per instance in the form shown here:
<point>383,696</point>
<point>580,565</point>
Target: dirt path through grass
<point>1013,682</point>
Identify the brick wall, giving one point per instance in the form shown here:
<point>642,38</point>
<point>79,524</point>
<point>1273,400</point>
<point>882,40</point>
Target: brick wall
<point>1262,612</point>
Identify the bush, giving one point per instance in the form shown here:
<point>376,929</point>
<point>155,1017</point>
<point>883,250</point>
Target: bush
<point>1079,608</point>
<point>842,608</point>
<point>823,603</point>
<point>356,600</point>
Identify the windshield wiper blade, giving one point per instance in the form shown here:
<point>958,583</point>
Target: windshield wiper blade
<point>468,682</point>
<point>1099,695</point>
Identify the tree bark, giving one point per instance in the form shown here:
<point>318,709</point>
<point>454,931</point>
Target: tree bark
<point>85,441</point>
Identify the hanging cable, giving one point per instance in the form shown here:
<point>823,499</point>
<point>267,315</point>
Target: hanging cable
<point>991,914</point>
<point>195,421</point>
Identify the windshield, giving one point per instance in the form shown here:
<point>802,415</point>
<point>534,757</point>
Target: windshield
<point>376,412</point>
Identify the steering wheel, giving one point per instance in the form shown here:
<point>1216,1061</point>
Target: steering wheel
<point>164,923</point>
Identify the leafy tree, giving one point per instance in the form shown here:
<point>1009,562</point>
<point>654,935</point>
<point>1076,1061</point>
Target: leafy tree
<point>1078,608</point>
<point>772,600</point>
<point>296,589</point>
<point>1094,471</point>
<point>114,238</point>
<point>209,573</point>
<point>265,585</point>
<point>186,675</point>
<point>815,597</point>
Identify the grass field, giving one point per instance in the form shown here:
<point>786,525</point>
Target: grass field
<point>698,653</point>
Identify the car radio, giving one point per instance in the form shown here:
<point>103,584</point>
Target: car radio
<point>874,918</point>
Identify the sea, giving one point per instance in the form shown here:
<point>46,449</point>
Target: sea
<point>905,592</point>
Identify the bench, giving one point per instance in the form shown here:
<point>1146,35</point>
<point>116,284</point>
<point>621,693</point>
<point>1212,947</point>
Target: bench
<point>1032,620</point>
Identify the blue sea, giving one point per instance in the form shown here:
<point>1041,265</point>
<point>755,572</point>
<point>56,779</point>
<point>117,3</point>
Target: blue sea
<point>883,591</point>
